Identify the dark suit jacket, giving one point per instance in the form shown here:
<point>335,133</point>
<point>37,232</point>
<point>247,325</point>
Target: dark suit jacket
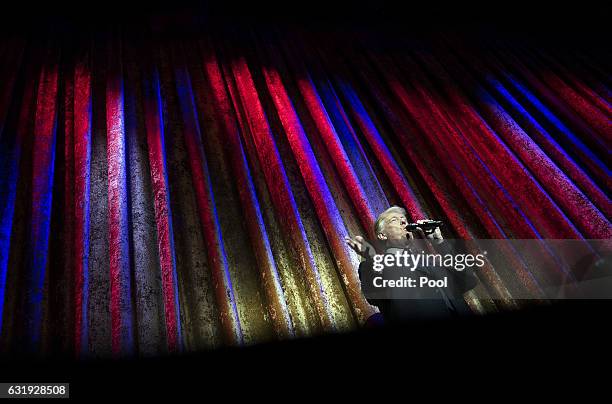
<point>419,303</point>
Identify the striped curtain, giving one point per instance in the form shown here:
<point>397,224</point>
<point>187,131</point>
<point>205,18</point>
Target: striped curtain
<point>165,194</point>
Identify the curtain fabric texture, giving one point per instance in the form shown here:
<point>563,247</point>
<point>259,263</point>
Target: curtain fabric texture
<point>172,194</point>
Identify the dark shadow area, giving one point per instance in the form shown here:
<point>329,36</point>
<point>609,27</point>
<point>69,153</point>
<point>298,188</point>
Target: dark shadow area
<point>512,16</point>
<point>368,361</point>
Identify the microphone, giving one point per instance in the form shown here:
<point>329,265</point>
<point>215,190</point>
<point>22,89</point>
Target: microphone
<point>429,225</point>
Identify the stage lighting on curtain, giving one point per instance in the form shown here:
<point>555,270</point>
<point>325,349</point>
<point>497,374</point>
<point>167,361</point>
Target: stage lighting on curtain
<point>164,195</point>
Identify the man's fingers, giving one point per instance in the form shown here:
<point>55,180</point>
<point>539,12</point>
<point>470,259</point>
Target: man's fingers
<point>360,245</point>
<point>353,244</point>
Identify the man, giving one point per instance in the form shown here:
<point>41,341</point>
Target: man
<point>401,304</point>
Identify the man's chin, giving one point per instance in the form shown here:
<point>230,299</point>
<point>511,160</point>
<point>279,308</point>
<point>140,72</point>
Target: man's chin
<point>398,242</point>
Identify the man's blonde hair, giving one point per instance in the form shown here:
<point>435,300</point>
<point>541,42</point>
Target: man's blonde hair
<point>379,225</point>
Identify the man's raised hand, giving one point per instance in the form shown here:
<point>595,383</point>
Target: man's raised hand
<point>360,246</point>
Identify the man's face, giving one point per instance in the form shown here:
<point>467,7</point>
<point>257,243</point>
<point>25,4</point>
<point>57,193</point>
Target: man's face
<point>394,228</point>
